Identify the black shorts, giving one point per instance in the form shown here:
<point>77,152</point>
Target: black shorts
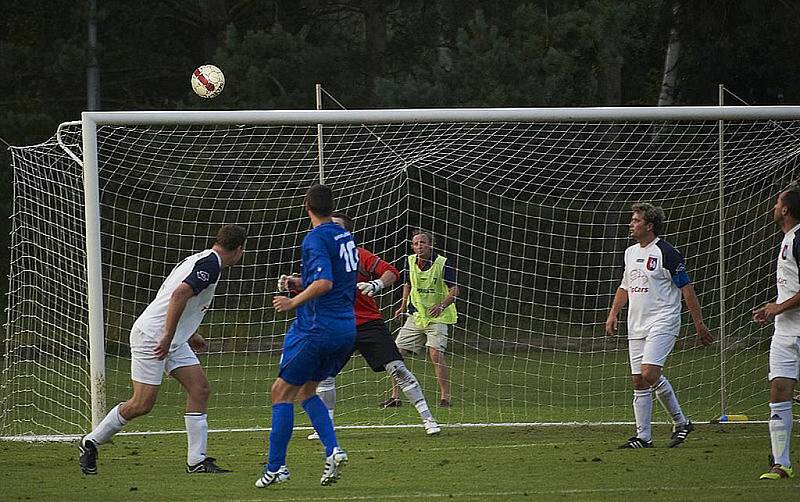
<point>375,343</point>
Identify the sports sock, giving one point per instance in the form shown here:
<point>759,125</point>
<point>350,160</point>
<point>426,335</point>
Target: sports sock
<point>327,392</point>
<point>666,396</point>
<point>780,431</point>
<point>643,411</point>
<point>318,414</point>
<point>281,433</point>
<point>410,386</point>
<point>108,427</point>
<point>197,437</point>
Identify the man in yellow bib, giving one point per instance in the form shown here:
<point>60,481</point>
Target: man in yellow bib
<point>430,283</point>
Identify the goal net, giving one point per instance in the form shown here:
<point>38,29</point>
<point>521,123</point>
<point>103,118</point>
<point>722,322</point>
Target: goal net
<point>532,212</point>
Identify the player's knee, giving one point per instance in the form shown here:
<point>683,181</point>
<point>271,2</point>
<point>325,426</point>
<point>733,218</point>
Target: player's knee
<point>650,376</point>
<point>137,407</point>
<point>400,373</point>
<point>781,390</point>
<point>201,392</point>
<point>278,391</point>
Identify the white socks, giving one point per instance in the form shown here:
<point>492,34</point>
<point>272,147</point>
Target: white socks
<point>410,386</point>
<point>197,437</point>
<point>780,431</point>
<point>643,411</point>
<point>108,427</point>
<point>666,396</point>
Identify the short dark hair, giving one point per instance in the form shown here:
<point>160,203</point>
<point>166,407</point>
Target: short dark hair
<point>348,222</point>
<point>651,214</point>
<point>319,200</point>
<point>231,237</point>
<point>419,231</point>
<point>791,199</point>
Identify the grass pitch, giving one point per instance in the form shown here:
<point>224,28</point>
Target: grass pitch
<point>718,462</point>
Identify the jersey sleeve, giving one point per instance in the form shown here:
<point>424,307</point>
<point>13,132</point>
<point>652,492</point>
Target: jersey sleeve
<point>796,251</point>
<point>205,273</point>
<point>624,282</point>
<point>674,263</point>
<point>402,266</point>
<point>372,267</point>
<point>318,261</point>
<point>449,274</point>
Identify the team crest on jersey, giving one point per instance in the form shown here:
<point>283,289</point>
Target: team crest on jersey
<point>202,275</point>
<point>652,263</point>
<point>783,251</point>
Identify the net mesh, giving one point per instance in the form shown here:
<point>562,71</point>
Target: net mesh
<point>532,215</point>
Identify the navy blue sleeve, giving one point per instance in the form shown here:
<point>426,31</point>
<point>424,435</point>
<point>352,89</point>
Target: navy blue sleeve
<point>205,273</point>
<point>673,261</point>
<point>402,267</point>
<point>449,274</point>
<point>796,251</point>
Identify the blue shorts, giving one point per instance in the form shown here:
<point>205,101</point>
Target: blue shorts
<point>313,358</point>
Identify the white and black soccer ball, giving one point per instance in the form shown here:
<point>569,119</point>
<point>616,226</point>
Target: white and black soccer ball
<point>208,81</point>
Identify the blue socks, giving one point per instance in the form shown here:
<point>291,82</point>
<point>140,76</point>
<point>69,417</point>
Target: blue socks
<point>318,414</point>
<point>281,433</point>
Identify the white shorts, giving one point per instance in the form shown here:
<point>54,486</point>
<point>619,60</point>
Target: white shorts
<point>146,368</point>
<point>652,350</point>
<point>413,338</point>
<point>784,357</point>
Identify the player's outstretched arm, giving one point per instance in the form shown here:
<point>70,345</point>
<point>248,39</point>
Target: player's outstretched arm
<point>693,304</point>
<point>620,299</point>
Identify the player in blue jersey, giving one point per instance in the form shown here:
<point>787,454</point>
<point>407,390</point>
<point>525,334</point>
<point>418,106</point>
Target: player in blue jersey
<point>319,341</point>
<point>163,340</point>
<point>653,283</point>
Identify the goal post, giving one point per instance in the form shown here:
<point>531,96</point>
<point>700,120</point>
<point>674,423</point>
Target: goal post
<point>531,205</point>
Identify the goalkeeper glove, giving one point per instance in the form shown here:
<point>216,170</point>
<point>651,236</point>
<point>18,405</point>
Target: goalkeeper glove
<point>371,287</point>
<point>283,282</point>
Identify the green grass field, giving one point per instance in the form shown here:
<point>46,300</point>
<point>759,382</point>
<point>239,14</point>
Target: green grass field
<point>496,463</point>
<point>719,462</point>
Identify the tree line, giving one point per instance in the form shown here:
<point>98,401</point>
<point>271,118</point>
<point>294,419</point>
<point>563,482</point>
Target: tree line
<point>379,54</point>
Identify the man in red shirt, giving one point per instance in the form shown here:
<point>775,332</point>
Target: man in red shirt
<point>373,339</point>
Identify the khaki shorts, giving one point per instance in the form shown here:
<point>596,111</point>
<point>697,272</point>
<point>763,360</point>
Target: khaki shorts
<point>413,338</point>
<point>146,368</point>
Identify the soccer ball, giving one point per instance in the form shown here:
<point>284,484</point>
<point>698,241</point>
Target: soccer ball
<point>208,81</point>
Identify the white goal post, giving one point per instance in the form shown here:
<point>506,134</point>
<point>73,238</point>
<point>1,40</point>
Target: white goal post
<point>531,203</point>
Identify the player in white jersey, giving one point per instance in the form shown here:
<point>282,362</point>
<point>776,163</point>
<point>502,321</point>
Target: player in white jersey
<point>654,280</point>
<point>784,352</point>
<point>163,340</point>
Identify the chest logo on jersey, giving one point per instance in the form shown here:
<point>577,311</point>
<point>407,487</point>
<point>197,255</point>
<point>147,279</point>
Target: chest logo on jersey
<point>783,251</point>
<point>638,282</point>
<point>202,275</point>
<point>652,263</point>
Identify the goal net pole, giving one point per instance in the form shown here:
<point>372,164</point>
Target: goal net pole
<point>94,271</point>
<point>311,118</point>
